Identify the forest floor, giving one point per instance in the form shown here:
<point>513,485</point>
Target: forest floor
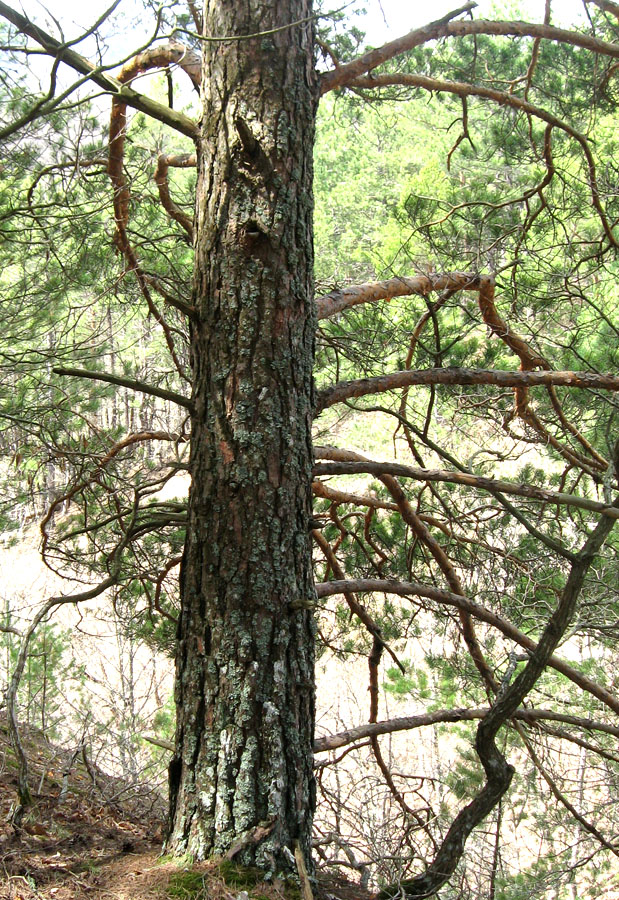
<point>90,835</point>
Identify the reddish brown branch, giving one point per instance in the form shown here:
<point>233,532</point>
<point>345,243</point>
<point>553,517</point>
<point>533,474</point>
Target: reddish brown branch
<point>501,98</point>
<point>444,563</point>
<point>528,78</point>
<point>118,447</point>
<point>338,465</point>
<point>99,77</point>
<point>353,603</point>
<point>530,359</point>
<point>346,74</point>
<point>339,300</point>
<point>163,55</point>
<point>185,160</point>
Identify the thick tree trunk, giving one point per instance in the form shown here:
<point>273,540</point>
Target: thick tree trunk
<point>241,779</point>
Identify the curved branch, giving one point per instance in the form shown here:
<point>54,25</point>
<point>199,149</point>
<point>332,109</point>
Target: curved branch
<point>22,657</point>
<point>161,57</point>
<point>155,57</point>
<point>96,74</point>
<point>339,300</point>
<point>185,160</point>
<point>118,447</point>
<point>413,589</point>
<point>499,377</point>
<point>442,560</point>
<point>344,75</point>
<point>170,299</point>
<point>498,771</point>
<point>477,481</point>
<point>463,89</point>
<point>353,604</point>
<point>560,796</point>
<point>529,359</point>
<point>606,6</point>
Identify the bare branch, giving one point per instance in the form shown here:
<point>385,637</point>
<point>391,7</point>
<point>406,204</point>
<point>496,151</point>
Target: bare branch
<point>130,383</point>
<point>477,481</point>
<point>185,160</point>
<point>128,441</point>
<point>22,656</point>
<point>345,390</point>
<point>510,631</point>
<point>498,771</point>
<point>560,796</point>
<point>339,300</point>
<point>408,723</point>
<point>502,98</point>
<point>606,6</point>
<point>355,607</point>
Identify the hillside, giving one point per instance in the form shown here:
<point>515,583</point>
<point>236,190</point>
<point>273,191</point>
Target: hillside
<point>91,835</point>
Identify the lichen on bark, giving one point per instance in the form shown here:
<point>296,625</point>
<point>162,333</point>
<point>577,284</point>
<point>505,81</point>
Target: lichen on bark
<point>244,684</point>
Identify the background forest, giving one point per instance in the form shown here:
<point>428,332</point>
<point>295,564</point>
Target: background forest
<point>467,195</point>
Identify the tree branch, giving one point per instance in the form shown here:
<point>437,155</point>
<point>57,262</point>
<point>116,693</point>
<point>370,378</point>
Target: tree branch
<point>477,481</point>
<point>111,85</point>
<point>185,160</point>
<point>560,796</point>
<point>407,723</point>
<point>344,75</point>
<point>498,771</point>
<point>130,383</point>
<point>502,98</point>
<point>452,375</point>
<point>339,300</point>
<point>606,6</point>
<point>412,589</point>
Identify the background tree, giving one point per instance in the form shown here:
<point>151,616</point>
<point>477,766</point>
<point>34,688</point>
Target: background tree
<point>490,271</point>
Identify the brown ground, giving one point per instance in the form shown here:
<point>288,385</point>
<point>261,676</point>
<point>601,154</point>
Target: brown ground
<point>92,842</point>
<point>102,841</point>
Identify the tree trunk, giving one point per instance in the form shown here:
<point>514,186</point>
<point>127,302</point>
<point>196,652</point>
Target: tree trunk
<point>241,779</point>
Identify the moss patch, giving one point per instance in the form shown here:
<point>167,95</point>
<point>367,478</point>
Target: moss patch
<point>186,885</point>
<point>242,877</point>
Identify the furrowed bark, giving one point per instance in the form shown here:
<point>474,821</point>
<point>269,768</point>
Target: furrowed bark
<point>241,776</point>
